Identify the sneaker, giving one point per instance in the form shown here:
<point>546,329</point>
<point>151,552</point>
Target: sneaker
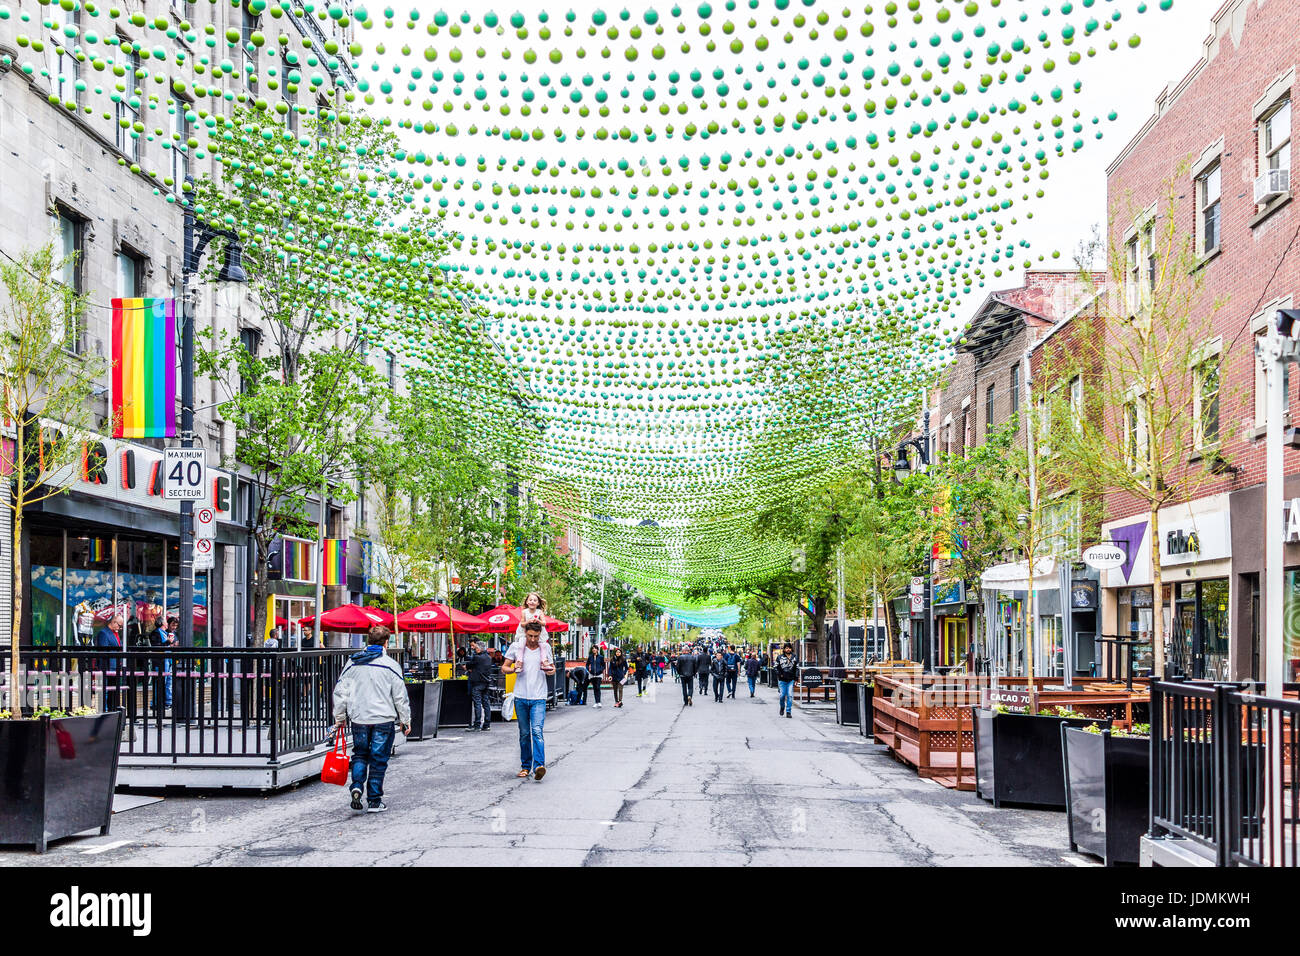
<point>356,799</point>
<point>539,773</point>
<point>470,729</point>
<point>486,727</point>
<point>790,715</point>
<point>379,807</point>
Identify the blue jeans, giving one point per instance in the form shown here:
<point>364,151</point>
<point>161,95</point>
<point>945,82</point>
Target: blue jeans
<point>787,700</point>
<point>751,685</point>
<point>531,715</point>
<point>480,702</point>
<point>372,745</point>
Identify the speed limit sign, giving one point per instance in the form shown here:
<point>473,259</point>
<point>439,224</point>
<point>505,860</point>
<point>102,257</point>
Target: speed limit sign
<point>185,473</point>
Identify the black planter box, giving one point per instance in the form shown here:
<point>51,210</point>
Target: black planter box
<point>1107,787</point>
<point>866,697</point>
<point>59,777</point>
<point>426,708</point>
<point>846,702</point>
<point>1018,757</point>
<point>454,708</point>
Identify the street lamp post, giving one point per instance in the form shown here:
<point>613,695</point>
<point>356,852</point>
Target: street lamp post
<point>903,467</point>
<point>196,239</point>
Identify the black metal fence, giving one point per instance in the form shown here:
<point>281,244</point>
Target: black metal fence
<point>1223,762</point>
<point>195,702</point>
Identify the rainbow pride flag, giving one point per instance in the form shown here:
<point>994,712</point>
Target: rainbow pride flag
<point>297,560</point>
<point>335,566</point>
<point>144,368</point>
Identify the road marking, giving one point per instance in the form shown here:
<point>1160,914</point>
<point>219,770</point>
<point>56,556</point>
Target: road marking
<point>1079,861</point>
<point>609,823</point>
<point>104,847</point>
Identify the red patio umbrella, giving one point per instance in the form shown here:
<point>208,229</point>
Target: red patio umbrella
<point>504,619</point>
<point>434,617</point>
<point>350,619</point>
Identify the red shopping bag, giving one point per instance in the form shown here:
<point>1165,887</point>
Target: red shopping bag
<point>336,768</point>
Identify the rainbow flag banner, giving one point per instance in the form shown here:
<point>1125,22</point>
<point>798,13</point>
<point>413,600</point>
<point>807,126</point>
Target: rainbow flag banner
<point>335,564</point>
<point>144,368</point>
<point>297,560</point>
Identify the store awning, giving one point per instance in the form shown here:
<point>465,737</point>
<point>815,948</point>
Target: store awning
<point>1014,576</point>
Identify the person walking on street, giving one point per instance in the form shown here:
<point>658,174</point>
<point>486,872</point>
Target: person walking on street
<point>478,668</point>
<point>733,669</point>
<point>371,695</point>
<point>595,671</point>
<point>642,664</point>
<point>703,664</point>
<point>787,670</point>
<point>531,659</point>
<point>617,673</point>
<point>751,672</point>
<point>718,668</point>
<point>686,671</point>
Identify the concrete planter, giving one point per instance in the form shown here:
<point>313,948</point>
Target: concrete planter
<point>59,777</point>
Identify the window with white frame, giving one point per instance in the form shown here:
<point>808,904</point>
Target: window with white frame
<point>1135,435</point>
<point>1061,525</point>
<point>1275,137</point>
<point>128,104</point>
<point>1076,402</point>
<point>69,75</point>
<point>180,146</point>
<point>130,274</point>
<point>1209,186</point>
<point>1132,276</point>
<point>1259,326</point>
<point>72,246</point>
<point>1205,400</point>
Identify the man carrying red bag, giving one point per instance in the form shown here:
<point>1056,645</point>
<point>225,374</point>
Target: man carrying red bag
<point>372,695</point>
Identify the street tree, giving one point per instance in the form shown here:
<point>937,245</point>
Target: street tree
<point>1147,427</point>
<point>47,405</point>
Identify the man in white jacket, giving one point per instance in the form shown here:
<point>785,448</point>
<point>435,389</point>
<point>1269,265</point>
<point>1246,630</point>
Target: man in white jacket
<point>372,695</point>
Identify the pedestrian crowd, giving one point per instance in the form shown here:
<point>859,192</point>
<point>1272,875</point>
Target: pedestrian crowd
<point>370,695</point>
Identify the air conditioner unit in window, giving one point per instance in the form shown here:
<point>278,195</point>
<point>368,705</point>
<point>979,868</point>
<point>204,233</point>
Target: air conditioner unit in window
<point>1272,183</point>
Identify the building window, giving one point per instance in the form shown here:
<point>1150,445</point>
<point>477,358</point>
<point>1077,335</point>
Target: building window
<point>1076,402</point>
<point>1206,402</point>
<point>69,76</point>
<point>130,275</point>
<point>965,430</point>
<point>249,340</point>
<point>1275,137</point>
<point>128,107</point>
<point>390,364</point>
<point>988,410</point>
<point>1132,276</point>
<point>1015,388</point>
<point>1135,436</point>
<point>288,87</point>
<point>72,237</point>
<point>180,146</point>
<point>1208,186</point>
<point>247,27</point>
<point>1261,384</point>
<point>360,520</point>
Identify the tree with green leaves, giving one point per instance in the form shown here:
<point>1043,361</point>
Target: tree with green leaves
<point>332,263</point>
<point>42,382</point>
<point>1147,427</point>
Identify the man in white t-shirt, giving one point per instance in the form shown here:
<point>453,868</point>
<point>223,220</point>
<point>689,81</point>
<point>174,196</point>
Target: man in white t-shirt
<point>531,659</point>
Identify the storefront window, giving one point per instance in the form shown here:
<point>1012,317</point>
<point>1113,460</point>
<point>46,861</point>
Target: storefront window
<point>1291,625</point>
<point>1051,647</point>
<point>89,596</point>
<point>1135,622</point>
<point>47,587</point>
<point>173,595</point>
<point>140,584</point>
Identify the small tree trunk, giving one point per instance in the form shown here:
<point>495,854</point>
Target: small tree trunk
<point>16,625</point>
<point>1157,601</point>
<point>892,633</point>
<point>1030,628</point>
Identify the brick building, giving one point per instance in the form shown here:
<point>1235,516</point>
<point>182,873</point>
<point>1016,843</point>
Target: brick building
<point>1222,135</point>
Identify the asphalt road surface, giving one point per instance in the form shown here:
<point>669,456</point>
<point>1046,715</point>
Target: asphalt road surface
<point>651,784</point>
